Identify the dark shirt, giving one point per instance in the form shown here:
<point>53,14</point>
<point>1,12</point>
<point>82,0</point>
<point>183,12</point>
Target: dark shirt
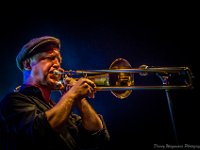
<point>23,125</point>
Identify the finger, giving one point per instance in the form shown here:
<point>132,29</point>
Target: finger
<point>85,85</point>
<point>91,93</point>
<point>70,81</point>
<point>90,82</point>
<point>90,88</point>
<point>66,79</point>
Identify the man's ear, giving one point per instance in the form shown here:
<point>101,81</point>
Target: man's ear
<point>26,64</point>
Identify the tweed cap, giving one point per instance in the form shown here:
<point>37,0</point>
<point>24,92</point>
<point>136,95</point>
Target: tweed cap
<point>35,46</point>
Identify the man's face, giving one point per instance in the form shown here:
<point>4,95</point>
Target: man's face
<point>42,67</point>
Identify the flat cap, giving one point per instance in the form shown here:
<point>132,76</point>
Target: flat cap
<point>34,46</point>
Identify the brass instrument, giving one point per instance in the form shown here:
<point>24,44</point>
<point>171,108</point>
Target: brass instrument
<point>119,78</point>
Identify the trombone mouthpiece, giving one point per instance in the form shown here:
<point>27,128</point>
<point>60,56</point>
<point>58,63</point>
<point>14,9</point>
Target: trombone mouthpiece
<point>56,72</point>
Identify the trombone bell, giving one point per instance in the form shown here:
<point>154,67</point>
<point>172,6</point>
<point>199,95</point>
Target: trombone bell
<point>120,79</point>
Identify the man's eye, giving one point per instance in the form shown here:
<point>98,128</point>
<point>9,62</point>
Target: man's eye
<point>50,58</point>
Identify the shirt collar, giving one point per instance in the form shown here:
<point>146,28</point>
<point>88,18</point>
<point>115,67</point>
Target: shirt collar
<point>36,91</point>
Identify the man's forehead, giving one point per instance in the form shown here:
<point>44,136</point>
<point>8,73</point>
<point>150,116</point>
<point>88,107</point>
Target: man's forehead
<point>53,52</point>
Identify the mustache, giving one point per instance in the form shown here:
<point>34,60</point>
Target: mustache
<point>54,71</point>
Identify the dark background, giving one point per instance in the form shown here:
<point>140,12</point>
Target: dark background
<point>93,37</point>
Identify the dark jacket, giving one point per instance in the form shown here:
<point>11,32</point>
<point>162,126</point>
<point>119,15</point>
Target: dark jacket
<point>23,125</point>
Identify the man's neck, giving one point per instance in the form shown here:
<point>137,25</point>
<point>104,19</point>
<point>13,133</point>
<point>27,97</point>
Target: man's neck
<point>45,93</point>
<point>44,90</point>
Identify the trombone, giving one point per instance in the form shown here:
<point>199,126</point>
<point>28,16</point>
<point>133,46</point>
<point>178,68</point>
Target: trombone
<point>119,78</point>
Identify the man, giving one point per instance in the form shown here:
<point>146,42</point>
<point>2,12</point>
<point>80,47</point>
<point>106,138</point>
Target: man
<point>32,120</point>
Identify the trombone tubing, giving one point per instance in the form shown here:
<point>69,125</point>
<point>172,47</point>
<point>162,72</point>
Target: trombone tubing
<point>119,88</point>
<point>133,70</point>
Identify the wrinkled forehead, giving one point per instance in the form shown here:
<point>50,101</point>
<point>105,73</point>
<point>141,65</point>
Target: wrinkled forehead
<point>53,52</point>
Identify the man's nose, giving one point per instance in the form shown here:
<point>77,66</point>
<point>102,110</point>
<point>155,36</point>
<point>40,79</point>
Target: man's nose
<point>56,63</point>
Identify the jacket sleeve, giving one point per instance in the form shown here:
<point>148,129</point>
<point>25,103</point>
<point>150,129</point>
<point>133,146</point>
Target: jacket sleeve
<point>87,138</point>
